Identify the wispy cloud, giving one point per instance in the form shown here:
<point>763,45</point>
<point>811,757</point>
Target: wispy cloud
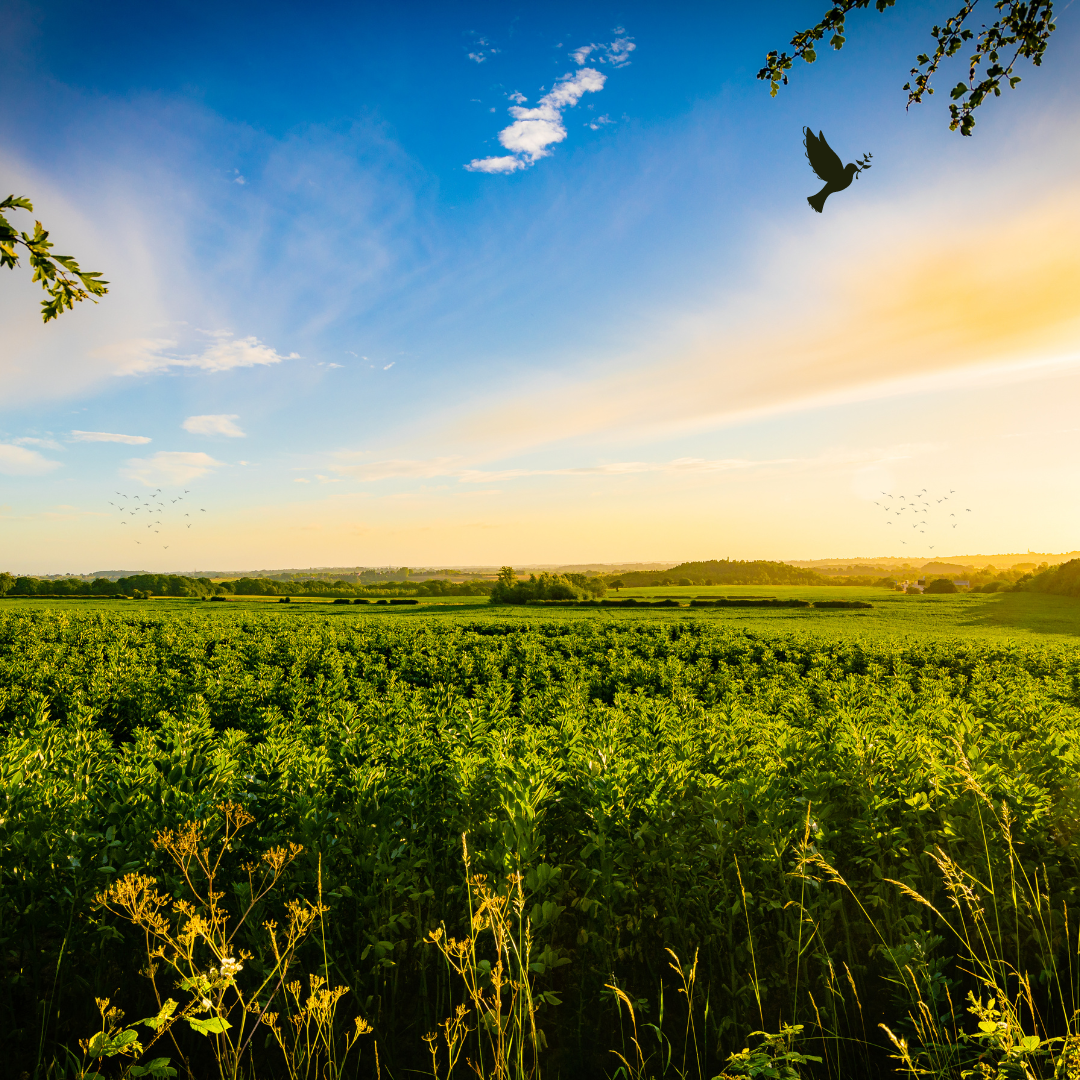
<point>935,306</point>
<point>169,467</point>
<point>457,468</point>
<point>140,356</point>
<point>31,440</point>
<point>214,424</point>
<point>18,461</point>
<point>534,131</point>
<point>617,52</point>
<point>481,49</point>
<point>108,436</point>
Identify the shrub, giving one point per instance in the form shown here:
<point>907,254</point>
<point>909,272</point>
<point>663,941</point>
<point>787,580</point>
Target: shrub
<point>544,586</point>
<point>941,585</point>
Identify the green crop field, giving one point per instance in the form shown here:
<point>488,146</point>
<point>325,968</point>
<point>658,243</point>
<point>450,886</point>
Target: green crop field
<point>535,841</point>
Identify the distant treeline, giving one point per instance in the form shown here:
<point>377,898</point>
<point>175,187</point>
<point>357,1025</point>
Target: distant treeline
<point>139,585</point>
<point>740,572</point>
<point>1063,580</point>
<point>546,587</point>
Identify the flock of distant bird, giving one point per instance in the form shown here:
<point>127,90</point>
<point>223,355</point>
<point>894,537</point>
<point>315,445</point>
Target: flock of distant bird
<point>922,511</point>
<point>152,508</point>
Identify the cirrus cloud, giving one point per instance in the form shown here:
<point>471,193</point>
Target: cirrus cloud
<point>108,436</point>
<point>169,467</point>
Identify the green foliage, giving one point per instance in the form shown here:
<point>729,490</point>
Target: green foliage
<point>545,586</point>
<point>940,585</point>
<point>725,572</point>
<point>144,585</point>
<point>1022,30</point>
<point>655,784</point>
<point>1063,580</point>
<point>772,1058</point>
<point>60,275</point>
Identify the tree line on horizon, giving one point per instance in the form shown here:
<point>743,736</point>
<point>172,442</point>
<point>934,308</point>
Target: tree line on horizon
<point>178,585</point>
<point>1063,580</point>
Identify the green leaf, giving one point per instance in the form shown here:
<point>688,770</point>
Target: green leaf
<point>159,1021</point>
<point>215,1025</point>
<point>159,1067</point>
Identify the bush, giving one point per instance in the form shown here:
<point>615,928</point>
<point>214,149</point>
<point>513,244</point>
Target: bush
<point>941,585</point>
<point>544,586</point>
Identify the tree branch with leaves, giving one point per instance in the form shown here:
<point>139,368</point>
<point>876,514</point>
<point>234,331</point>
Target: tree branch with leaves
<point>1021,30</point>
<point>60,275</point>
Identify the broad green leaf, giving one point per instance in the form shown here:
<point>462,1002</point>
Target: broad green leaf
<point>214,1025</point>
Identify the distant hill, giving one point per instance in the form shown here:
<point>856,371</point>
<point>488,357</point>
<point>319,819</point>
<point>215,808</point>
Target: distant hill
<point>891,563</point>
<point>725,572</point>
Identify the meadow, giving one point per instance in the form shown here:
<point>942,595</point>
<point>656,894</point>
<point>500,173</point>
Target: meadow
<point>541,842</point>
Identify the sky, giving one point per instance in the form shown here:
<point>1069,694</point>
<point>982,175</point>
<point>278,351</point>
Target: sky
<point>441,284</point>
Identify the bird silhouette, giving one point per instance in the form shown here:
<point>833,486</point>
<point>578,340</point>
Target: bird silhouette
<point>827,166</point>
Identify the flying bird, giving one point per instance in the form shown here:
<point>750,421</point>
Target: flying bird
<point>827,165</point>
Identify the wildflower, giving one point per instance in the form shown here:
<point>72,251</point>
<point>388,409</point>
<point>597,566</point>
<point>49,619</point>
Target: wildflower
<point>230,967</point>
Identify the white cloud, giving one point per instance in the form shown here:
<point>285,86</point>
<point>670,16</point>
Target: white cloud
<point>495,164</point>
<point>140,356</point>
<point>482,50</point>
<point>387,367</point>
<point>169,467</point>
<point>18,461</point>
<point>518,97</point>
<point>214,424</point>
<point>30,440</point>
<point>534,130</point>
<point>108,436</point>
<point>617,52</point>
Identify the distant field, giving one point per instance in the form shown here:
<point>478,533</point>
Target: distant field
<point>1015,616</point>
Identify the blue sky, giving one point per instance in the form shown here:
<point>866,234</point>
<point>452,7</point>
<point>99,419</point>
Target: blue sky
<point>350,344</point>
